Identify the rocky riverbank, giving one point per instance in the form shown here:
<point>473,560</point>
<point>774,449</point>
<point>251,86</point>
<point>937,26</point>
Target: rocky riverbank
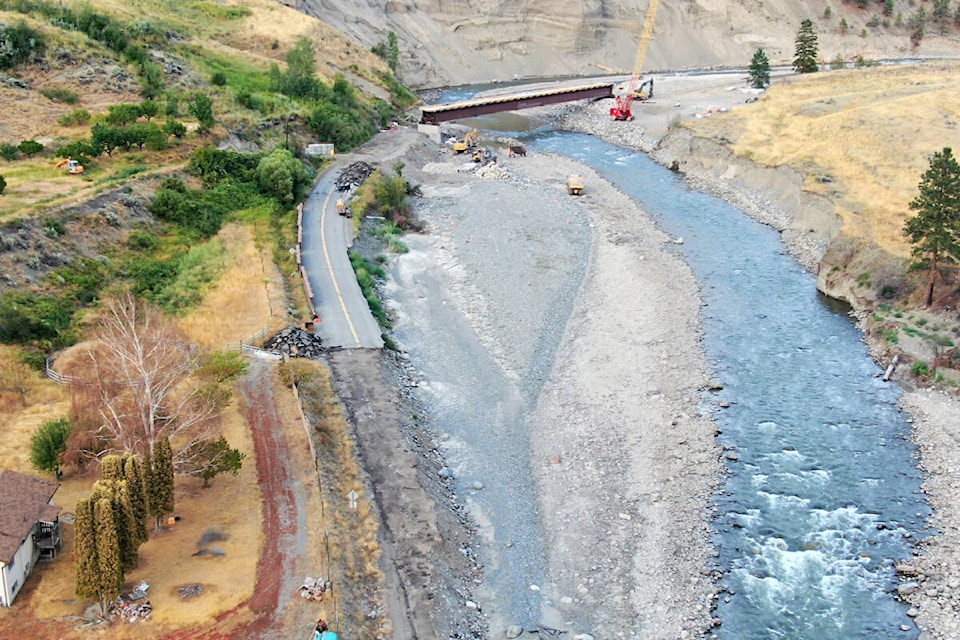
<point>808,225</point>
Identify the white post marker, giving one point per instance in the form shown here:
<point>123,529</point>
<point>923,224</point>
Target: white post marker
<point>352,497</point>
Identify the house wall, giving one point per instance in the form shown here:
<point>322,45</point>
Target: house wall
<point>13,576</point>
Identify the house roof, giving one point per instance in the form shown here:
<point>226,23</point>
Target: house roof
<point>23,501</point>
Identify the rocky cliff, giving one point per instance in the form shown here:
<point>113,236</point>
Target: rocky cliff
<point>452,42</point>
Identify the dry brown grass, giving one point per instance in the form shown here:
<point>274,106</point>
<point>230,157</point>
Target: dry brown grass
<point>869,132</point>
<point>247,296</point>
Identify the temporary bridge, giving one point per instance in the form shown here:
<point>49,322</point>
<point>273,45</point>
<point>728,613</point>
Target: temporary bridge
<point>437,113</point>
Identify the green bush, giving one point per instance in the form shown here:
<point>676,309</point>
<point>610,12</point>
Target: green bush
<point>18,43</point>
<point>3,185</point>
<point>60,95</point>
<point>30,147</point>
<point>27,317</point>
<point>174,128</point>
<point>219,78</point>
<point>142,240</point>
<point>75,118</point>
<point>920,369</point>
<point>48,443</point>
<point>9,151</point>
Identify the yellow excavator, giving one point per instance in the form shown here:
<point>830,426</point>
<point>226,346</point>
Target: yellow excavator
<point>73,166</point>
<point>621,111</point>
<point>469,141</point>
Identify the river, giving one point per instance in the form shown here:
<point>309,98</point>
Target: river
<point>823,494</point>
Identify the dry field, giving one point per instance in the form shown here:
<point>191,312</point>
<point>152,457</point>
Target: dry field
<point>860,136</point>
<point>246,293</point>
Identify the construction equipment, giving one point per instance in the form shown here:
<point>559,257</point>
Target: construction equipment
<point>469,141</point>
<point>574,184</point>
<point>73,166</point>
<point>343,209</point>
<point>621,111</point>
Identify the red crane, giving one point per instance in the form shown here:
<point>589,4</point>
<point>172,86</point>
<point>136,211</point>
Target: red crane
<point>622,109</point>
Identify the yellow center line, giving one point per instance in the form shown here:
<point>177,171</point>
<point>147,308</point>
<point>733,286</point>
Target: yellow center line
<point>326,256</point>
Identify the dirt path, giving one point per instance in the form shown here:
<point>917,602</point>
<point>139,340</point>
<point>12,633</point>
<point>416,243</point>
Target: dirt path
<point>282,498</point>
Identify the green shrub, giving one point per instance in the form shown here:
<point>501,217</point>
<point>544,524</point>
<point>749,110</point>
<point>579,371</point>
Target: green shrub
<point>9,151</point>
<point>48,443</point>
<point>219,78</point>
<point>920,369</point>
<point>142,240</point>
<point>18,43</point>
<point>75,118</point>
<point>174,128</point>
<point>30,147</point>
<point>27,317</point>
<point>60,95</point>
<point>3,185</point>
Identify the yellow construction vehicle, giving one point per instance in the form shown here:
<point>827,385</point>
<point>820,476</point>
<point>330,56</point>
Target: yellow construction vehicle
<point>574,184</point>
<point>73,166</point>
<point>469,141</point>
<point>621,111</point>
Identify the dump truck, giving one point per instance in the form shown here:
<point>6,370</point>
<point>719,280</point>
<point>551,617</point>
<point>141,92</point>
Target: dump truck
<point>343,209</point>
<point>574,184</point>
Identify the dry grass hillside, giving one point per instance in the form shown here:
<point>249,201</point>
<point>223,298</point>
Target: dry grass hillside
<point>861,137</point>
<point>469,41</point>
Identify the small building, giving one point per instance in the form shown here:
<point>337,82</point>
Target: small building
<point>29,529</point>
<point>319,149</point>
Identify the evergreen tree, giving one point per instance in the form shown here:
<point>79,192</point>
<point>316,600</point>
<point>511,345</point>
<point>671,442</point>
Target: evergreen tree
<point>159,491</point>
<point>111,468</point>
<point>805,60</point>
<point>393,51</point>
<point>85,551</point>
<point>133,474</point>
<point>935,230</point>
<point>759,70</point>
<point>201,108</point>
<point>109,565</point>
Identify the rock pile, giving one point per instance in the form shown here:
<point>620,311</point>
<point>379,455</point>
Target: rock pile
<point>354,175</point>
<point>296,343</point>
<point>314,588</point>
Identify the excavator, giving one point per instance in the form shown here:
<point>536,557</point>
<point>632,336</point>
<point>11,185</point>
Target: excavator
<point>73,166</point>
<point>621,111</point>
<point>469,141</point>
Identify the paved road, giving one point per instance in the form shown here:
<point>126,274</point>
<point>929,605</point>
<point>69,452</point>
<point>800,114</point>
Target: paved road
<point>345,318</point>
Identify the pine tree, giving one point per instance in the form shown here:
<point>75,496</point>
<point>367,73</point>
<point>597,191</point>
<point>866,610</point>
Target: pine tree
<point>805,60</point>
<point>935,230</point>
<point>759,70</point>
<point>160,499</point>
<point>109,565</point>
<point>85,551</point>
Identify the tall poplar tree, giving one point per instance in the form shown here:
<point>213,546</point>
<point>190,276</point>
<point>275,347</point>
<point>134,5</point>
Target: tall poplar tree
<point>160,499</point>
<point>133,474</point>
<point>109,563</point>
<point>85,551</point>
<point>805,58</point>
<point>935,230</point>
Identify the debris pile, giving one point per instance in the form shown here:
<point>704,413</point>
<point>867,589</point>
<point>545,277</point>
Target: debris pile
<point>296,343</point>
<point>314,588</point>
<point>188,591</point>
<point>129,611</point>
<point>354,175</point>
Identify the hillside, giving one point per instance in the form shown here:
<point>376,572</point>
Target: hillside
<point>458,42</point>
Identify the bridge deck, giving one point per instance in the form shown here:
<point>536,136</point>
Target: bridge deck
<point>435,114</point>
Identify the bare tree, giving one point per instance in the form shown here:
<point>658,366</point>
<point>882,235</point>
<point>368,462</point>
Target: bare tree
<point>140,376</point>
<point>16,378</point>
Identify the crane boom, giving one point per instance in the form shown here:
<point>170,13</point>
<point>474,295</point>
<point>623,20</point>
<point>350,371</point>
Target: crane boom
<point>622,110</point>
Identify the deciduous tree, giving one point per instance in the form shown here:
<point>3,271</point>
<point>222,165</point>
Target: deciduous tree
<point>138,373</point>
<point>935,230</point>
<point>48,444</point>
<point>805,58</point>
